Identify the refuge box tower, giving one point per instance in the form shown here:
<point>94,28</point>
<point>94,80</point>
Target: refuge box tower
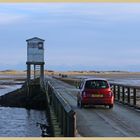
<point>35,58</point>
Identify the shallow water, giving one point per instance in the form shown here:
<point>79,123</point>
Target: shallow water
<point>134,81</point>
<point>8,88</point>
<point>19,122</point>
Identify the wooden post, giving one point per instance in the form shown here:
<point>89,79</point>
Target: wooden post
<point>71,124</point>
<point>128,96</point>
<point>123,94</point>
<point>134,97</point>
<point>28,73</point>
<point>118,93</point>
<point>42,71</point>
<point>114,91</point>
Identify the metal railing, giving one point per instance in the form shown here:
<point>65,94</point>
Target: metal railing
<point>63,111</point>
<point>125,94</point>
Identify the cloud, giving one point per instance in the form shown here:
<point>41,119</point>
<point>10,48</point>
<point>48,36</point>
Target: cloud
<point>53,12</point>
<point>7,18</point>
<point>73,35</point>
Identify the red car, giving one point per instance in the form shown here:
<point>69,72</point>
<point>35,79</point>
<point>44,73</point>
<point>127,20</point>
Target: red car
<point>95,91</point>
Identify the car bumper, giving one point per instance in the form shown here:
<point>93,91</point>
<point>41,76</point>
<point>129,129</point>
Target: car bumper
<point>98,101</point>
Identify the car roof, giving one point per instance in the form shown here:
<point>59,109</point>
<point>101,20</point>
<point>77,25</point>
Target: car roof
<point>89,79</point>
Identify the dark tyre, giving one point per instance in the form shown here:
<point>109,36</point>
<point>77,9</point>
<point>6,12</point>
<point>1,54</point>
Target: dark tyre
<point>110,106</point>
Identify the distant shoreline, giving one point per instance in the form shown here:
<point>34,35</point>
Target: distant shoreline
<point>21,75</point>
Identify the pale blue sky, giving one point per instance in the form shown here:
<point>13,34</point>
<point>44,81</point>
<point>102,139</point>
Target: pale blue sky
<point>89,36</point>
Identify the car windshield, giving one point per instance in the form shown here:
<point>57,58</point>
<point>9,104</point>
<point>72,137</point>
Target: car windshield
<point>92,84</point>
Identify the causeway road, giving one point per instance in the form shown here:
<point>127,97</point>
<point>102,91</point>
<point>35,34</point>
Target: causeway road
<point>98,121</point>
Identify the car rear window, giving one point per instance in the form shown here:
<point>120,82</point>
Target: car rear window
<point>92,84</point>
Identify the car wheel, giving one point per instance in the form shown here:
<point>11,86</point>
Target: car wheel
<point>110,106</point>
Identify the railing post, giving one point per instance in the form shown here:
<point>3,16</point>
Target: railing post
<point>49,94</point>
<point>56,110</point>
<point>114,91</point>
<point>64,123</point>
<point>128,95</point>
<point>59,114</point>
<point>118,93</point>
<point>123,94</point>
<point>134,97</point>
<point>62,126</point>
<point>71,124</point>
